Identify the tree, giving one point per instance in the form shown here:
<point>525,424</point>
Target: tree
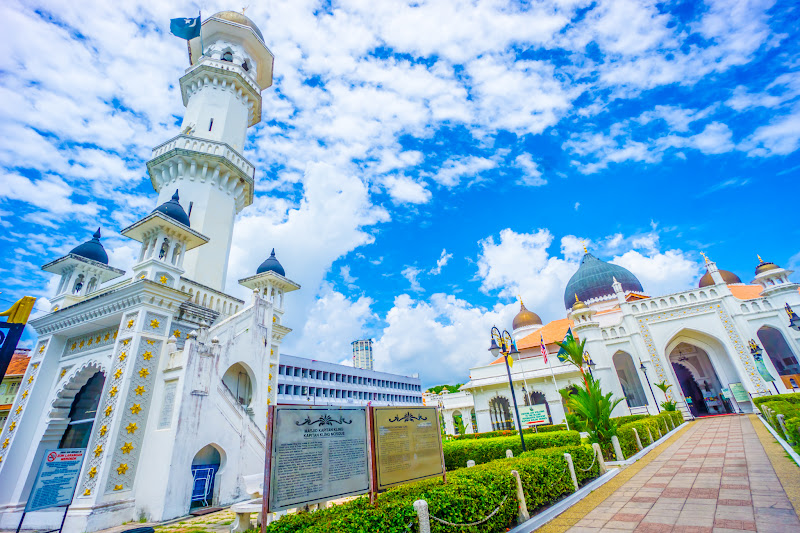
<point>667,405</point>
<point>439,388</point>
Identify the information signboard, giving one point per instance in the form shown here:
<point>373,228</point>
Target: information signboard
<point>407,444</point>
<point>739,393</point>
<point>318,454</point>
<point>533,415</point>
<point>56,480</point>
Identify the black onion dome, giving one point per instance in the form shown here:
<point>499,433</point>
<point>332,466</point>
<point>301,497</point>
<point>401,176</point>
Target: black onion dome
<point>173,210</point>
<point>594,279</point>
<point>271,264</point>
<point>92,249</point>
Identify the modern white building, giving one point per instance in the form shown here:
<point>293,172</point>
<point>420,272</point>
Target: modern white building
<point>705,342</point>
<point>362,354</point>
<point>304,381</point>
<point>163,377</point>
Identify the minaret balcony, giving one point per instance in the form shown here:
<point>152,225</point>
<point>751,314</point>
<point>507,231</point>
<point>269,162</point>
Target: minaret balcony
<point>226,76</point>
<point>203,160</point>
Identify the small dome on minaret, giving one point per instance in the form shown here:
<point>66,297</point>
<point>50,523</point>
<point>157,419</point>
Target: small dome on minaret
<point>172,208</point>
<point>238,18</point>
<point>525,318</point>
<point>271,264</point>
<point>578,304</point>
<point>92,249</point>
<point>764,266</point>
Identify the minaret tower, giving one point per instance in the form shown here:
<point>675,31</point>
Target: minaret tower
<point>222,94</point>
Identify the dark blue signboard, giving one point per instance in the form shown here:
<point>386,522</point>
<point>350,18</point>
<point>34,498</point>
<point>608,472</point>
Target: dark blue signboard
<point>55,483</point>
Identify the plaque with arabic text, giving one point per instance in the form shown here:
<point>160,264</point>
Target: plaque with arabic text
<point>318,454</point>
<point>408,445</point>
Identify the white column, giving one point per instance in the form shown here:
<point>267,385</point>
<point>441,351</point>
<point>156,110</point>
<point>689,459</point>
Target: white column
<point>183,253</point>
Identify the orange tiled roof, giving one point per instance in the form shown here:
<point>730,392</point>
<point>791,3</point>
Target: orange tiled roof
<point>746,292</point>
<point>18,364</point>
<point>551,332</point>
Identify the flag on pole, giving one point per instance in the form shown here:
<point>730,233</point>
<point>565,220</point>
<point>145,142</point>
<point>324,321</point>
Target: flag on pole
<point>562,355</point>
<point>544,349</point>
<point>185,28</point>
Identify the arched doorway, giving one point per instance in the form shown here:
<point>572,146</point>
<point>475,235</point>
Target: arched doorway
<point>238,382</point>
<point>500,413</point>
<point>458,423</point>
<point>629,379</point>
<point>474,420</point>
<point>537,398</point>
<point>781,355</point>
<point>205,465</point>
<point>82,413</point>
<point>698,379</point>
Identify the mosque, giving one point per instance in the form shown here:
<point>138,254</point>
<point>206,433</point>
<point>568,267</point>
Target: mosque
<point>162,375</point>
<point>709,343</point>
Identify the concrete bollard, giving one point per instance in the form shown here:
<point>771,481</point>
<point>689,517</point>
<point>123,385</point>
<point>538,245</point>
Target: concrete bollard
<point>470,463</point>
<point>638,440</point>
<point>781,420</point>
<point>421,506</point>
<point>650,435</point>
<point>571,467</point>
<point>600,460</point>
<point>523,507</point>
<point>617,448</point>
<point>509,454</point>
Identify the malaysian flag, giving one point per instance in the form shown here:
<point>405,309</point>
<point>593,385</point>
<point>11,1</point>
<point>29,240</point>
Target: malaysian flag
<point>544,350</point>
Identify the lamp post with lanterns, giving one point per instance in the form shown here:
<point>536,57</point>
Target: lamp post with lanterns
<point>502,343</point>
<point>644,370</point>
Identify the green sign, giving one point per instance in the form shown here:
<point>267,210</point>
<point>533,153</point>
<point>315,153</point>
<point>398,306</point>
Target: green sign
<point>739,393</point>
<point>533,415</point>
<point>726,393</point>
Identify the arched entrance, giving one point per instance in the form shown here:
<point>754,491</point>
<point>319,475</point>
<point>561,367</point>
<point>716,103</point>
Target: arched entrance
<point>500,413</point>
<point>205,465</point>
<point>237,379</point>
<point>474,420</point>
<point>458,423</point>
<point>783,358</point>
<point>537,398</point>
<point>629,379</point>
<point>698,379</point>
<point>82,413</point>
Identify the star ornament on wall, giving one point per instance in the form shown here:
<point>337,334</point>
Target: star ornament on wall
<point>147,355</point>
<point>121,469</point>
<point>113,391</point>
<point>143,372</point>
<point>93,472</point>
<point>98,450</point>
<point>136,409</point>
<point>118,373</point>
<point>154,323</point>
<point>130,323</point>
<point>127,447</point>
<point>103,430</point>
<point>163,280</point>
<point>131,427</point>
<point>140,390</point>
<point>109,410</point>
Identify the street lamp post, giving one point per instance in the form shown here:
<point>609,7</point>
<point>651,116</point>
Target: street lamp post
<point>507,347</point>
<point>589,363</point>
<point>644,370</point>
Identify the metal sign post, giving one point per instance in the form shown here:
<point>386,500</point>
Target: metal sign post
<point>55,483</point>
<point>267,467</point>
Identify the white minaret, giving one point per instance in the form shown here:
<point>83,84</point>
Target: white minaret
<point>222,94</point>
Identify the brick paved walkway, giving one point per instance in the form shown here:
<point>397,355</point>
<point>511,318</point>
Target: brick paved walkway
<point>715,478</point>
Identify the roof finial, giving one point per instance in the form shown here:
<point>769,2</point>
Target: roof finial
<point>244,9</point>
<point>273,253</point>
<point>584,248</point>
<point>176,197</point>
<point>576,297</point>
<point>759,258</point>
<point>97,234</point>
<point>705,257</point>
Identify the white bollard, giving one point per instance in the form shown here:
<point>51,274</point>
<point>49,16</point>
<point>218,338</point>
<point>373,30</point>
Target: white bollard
<point>600,460</point>
<point>523,507</point>
<point>571,467</point>
<point>650,435</point>
<point>638,440</point>
<point>509,454</point>
<point>781,420</point>
<point>617,448</point>
<point>421,506</point>
<point>470,463</point>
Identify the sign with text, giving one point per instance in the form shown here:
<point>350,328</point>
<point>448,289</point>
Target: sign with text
<point>739,393</point>
<point>408,445</point>
<point>533,415</point>
<point>56,480</point>
<point>318,454</point>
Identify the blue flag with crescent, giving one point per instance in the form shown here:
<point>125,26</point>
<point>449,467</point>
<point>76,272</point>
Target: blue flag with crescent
<point>562,355</point>
<point>185,28</point>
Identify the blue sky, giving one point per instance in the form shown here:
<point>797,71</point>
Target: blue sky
<point>419,165</point>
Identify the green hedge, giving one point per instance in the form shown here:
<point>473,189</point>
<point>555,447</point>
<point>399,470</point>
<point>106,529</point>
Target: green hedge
<point>508,432</point>
<point>469,495</point>
<point>629,418</point>
<point>627,440</point>
<point>791,398</point>
<point>458,452</point>
<point>788,406</point>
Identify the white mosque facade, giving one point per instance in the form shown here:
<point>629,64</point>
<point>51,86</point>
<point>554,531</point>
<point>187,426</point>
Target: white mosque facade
<point>163,377</point>
<point>706,342</point>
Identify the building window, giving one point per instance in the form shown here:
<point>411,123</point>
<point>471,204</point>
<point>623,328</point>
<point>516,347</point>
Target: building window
<point>282,370</point>
<point>280,389</point>
<point>227,56</point>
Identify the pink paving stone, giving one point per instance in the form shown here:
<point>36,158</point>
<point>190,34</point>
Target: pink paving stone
<point>745,525</point>
<point>675,493</point>
<point>734,487</point>
<point>691,529</point>
<point>704,493</point>
<point>628,517</point>
<point>734,502</point>
<point>644,499</point>
<point>649,527</point>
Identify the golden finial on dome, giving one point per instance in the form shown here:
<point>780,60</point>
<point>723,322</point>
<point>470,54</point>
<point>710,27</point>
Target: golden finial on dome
<point>585,250</point>
<point>576,298</point>
<point>244,9</point>
<point>705,257</point>
<point>759,258</point>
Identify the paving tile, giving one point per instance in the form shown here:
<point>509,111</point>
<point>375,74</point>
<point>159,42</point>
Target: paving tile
<point>628,517</point>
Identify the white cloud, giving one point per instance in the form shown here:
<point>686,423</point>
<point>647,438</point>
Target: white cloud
<point>454,170</point>
<point>780,137</point>
<point>531,176</point>
<point>412,274</point>
<point>441,262</point>
<point>661,273</point>
<point>403,189</point>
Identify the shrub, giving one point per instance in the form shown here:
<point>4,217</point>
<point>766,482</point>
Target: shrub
<point>629,418</point>
<point>508,432</point>
<point>469,495</point>
<point>458,452</point>
<point>791,398</point>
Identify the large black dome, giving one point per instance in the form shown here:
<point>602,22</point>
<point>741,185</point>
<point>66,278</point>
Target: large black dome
<point>173,210</point>
<point>92,249</point>
<point>271,264</point>
<point>594,279</point>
